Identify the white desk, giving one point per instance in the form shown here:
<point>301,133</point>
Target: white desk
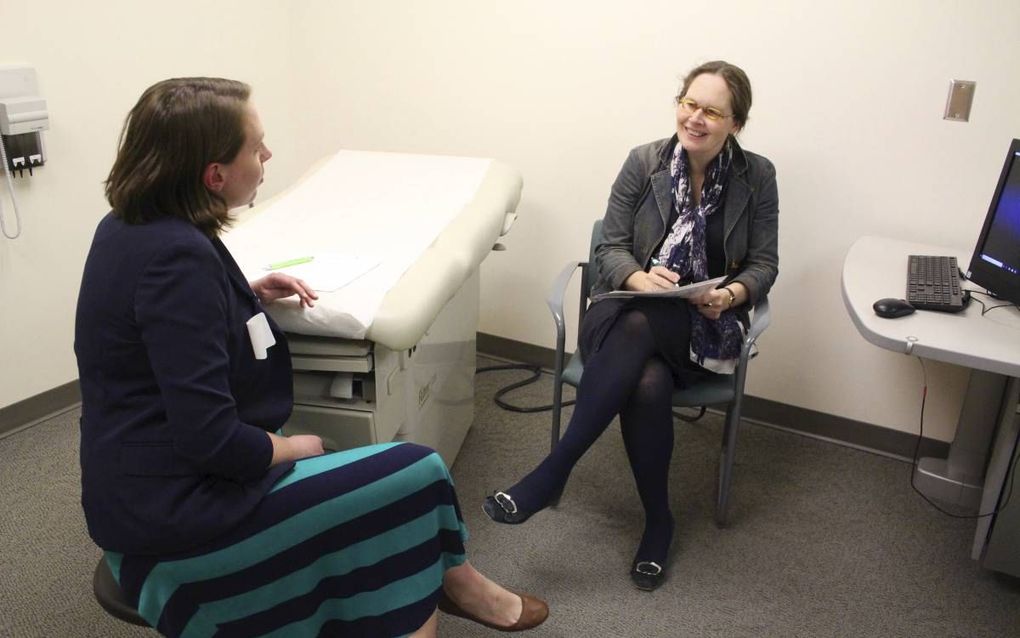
<point>973,475</point>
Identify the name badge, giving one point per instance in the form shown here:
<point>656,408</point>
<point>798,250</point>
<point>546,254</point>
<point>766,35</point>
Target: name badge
<point>261,335</point>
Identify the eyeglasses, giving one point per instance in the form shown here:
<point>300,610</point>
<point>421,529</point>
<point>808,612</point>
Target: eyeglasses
<point>710,112</point>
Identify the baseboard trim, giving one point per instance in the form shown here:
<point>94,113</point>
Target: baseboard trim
<point>39,407</point>
<point>812,423</point>
<point>504,348</point>
<point>850,432</point>
<point>839,429</point>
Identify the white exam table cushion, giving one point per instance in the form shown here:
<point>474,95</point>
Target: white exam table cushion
<point>429,221</point>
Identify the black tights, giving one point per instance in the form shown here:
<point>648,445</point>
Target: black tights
<point>625,377</point>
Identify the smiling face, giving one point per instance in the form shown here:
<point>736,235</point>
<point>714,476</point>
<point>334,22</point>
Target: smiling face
<point>700,136</point>
<point>243,175</point>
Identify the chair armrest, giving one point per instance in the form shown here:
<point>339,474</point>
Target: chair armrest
<point>559,290</point>
<point>555,303</point>
<point>760,319</point>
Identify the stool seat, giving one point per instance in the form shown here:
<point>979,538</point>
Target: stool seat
<point>110,597</point>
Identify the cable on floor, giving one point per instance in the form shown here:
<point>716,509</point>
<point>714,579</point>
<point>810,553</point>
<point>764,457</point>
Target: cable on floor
<point>536,374</point>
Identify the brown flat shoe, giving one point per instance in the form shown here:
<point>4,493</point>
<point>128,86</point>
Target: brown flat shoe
<point>533,613</point>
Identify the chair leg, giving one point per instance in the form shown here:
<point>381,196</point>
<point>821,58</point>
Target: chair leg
<point>726,459</point>
<point>555,427</point>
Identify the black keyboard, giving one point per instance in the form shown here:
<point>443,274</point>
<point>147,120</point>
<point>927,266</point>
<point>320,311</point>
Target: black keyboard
<point>933,283</point>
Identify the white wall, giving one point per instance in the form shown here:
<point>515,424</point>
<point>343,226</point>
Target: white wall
<point>93,60</point>
<point>848,102</point>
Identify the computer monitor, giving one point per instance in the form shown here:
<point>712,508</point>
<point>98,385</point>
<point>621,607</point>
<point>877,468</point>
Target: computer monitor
<point>995,265</point>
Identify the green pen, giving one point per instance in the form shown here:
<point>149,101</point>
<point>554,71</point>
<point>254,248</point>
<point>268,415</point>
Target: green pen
<point>289,262</point>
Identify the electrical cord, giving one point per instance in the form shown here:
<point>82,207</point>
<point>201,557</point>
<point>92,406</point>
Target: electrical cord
<point>14,201</point>
<point>985,309</point>
<point>536,374</point>
<point>917,447</point>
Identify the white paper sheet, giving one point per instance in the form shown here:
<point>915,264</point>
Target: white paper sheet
<point>683,292</point>
<point>327,272</point>
<point>383,207</point>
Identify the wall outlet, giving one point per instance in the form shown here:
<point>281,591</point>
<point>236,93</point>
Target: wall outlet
<point>961,96</point>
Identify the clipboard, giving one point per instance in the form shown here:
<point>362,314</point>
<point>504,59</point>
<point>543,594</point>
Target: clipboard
<point>681,292</point>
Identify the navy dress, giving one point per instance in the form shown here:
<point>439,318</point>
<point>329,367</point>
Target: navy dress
<point>204,538</point>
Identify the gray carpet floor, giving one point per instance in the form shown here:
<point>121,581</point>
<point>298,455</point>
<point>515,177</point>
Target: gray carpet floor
<point>823,541</point>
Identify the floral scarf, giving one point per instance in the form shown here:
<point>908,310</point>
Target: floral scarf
<point>715,345</point>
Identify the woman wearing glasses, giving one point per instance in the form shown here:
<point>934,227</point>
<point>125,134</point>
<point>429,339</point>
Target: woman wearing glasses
<point>683,209</point>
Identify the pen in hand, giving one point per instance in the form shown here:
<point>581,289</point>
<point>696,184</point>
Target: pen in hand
<point>656,262</point>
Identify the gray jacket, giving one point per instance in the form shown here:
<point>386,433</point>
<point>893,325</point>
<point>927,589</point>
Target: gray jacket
<point>633,229</point>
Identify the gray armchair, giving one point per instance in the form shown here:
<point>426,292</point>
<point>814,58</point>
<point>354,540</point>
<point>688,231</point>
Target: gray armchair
<point>725,390</point>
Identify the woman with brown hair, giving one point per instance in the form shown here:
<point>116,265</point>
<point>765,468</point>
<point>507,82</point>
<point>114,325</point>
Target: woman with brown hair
<point>683,209</point>
<point>212,520</point>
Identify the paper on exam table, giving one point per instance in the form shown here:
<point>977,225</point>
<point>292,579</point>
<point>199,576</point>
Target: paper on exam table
<point>327,272</point>
<point>683,292</point>
<point>384,207</point>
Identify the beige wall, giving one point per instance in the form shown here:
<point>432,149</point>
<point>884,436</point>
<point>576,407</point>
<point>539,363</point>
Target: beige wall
<point>848,101</point>
<point>93,60</point>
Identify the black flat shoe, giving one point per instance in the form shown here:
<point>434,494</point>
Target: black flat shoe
<point>647,575</point>
<point>501,508</point>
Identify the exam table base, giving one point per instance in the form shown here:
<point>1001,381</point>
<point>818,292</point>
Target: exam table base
<point>424,394</point>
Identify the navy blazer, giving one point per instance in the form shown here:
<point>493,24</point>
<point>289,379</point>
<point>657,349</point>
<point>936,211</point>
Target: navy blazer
<point>641,203</point>
<point>175,407</point>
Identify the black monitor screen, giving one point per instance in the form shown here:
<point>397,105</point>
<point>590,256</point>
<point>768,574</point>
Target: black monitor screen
<point>996,261</point>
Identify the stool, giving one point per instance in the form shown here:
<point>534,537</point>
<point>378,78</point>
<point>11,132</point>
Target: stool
<point>110,597</point>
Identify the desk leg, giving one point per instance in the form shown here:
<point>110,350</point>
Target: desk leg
<point>958,478</point>
<point>998,533</point>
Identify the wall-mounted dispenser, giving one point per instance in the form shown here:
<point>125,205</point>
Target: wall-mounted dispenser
<point>23,115</point>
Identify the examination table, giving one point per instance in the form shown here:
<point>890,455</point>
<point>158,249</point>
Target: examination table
<point>389,355</point>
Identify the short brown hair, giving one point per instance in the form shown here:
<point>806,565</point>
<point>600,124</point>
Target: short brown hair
<point>177,128</point>
<point>736,80</point>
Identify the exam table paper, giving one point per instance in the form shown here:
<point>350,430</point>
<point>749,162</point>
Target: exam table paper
<point>383,207</point>
<point>327,272</point>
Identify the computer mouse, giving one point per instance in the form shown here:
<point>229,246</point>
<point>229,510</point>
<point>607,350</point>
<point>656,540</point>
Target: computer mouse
<point>890,308</point>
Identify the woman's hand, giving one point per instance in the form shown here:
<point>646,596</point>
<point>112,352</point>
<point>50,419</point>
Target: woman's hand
<point>713,303</point>
<point>294,448</point>
<point>278,286</point>
<point>657,279</point>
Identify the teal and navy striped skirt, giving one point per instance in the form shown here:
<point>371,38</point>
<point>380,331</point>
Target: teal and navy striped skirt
<point>353,543</point>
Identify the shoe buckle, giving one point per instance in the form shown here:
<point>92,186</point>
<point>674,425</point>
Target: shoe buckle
<point>506,502</point>
<point>648,568</point>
